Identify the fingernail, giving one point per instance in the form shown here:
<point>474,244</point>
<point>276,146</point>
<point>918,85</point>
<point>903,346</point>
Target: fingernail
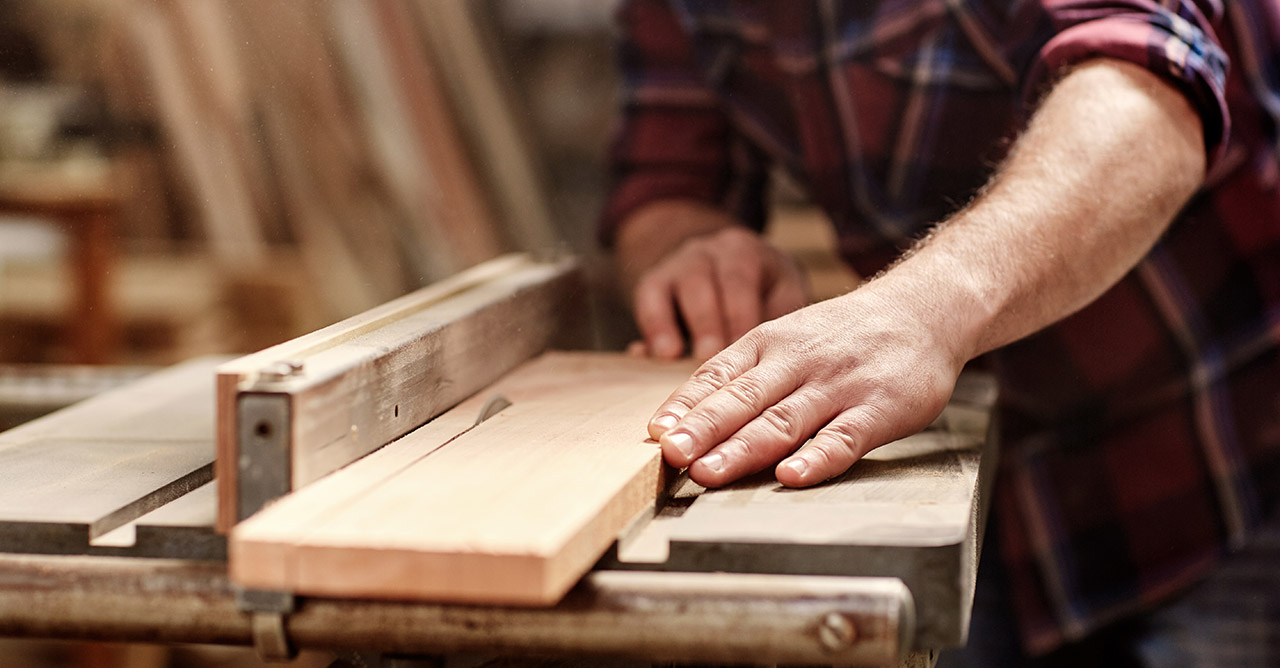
<point>797,465</point>
<point>682,442</point>
<point>664,423</point>
<point>713,462</point>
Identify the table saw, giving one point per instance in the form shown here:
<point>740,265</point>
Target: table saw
<point>119,515</point>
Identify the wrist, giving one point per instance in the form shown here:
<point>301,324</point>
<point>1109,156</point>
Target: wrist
<point>945,298</point>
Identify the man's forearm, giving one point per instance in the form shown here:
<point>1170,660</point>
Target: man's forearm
<point>1106,163</point>
<point>1108,160</point>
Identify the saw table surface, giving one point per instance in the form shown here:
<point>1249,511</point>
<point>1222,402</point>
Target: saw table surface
<point>69,479</point>
<point>898,534</point>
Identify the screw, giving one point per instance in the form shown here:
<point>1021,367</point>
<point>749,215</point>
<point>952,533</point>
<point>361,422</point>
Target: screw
<point>836,632</point>
<point>277,371</point>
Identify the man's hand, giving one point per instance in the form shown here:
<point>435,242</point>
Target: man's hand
<point>691,264</point>
<point>853,372</point>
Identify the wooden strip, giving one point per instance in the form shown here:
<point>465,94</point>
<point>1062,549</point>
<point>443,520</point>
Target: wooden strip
<point>374,377</point>
<point>181,529</point>
<point>311,136</point>
<point>226,209</point>
<point>387,123</point>
<point>511,511</point>
<point>458,201</point>
<point>84,471</point>
<point>478,84</point>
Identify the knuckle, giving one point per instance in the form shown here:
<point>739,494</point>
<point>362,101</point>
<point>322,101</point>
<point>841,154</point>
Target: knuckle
<point>714,374</point>
<point>651,283</point>
<point>785,420</point>
<point>703,423</point>
<point>650,287</point>
<point>699,248</point>
<point>844,436</point>
<point>678,406</point>
<point>747,391</point>
<point>736,236</point>
<point>739,273</point>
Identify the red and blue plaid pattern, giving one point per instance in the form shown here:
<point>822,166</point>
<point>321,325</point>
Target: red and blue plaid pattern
<point>1142,434</point>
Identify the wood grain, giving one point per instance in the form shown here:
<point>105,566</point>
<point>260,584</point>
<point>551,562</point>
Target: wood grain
<point>511,511</point>
<point>374,377</point>
<point>913,510</point>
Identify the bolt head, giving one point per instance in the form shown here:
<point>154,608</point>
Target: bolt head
<point>836,632</point>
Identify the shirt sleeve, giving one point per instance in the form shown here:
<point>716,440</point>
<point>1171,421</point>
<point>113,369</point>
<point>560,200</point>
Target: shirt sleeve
<point>673,140</point>
<point>1176,40</point>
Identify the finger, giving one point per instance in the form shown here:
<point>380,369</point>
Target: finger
<point>711,376</point>
<point>763,441</point>
<point>656,318</point>
<point>835,448</point>
<point>637,349</point>
<point>785,290</point>
<point>723,412</point>
<point>699,301</point>
<point>740,292</point>
<point>785,297</point>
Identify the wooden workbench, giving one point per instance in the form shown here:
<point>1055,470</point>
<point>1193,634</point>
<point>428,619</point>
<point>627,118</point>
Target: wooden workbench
<point>803,604</point>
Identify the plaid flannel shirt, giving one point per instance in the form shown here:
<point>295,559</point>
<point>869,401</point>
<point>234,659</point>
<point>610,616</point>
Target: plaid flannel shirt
<point>1141,436</point>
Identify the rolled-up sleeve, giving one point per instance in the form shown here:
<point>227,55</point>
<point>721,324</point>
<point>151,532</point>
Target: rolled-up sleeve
<point>1176,40</point>
<point>673,140</point>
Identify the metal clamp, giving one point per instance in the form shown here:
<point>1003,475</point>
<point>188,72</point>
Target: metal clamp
<point>269,610</point>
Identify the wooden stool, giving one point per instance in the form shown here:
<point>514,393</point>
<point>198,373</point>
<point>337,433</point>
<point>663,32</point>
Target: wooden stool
<point>84,202</point>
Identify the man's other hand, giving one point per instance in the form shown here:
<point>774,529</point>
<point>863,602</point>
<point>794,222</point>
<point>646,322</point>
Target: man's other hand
<point>692,265</point>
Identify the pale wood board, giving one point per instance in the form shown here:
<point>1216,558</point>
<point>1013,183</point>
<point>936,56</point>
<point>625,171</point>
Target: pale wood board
<point>374,377</point>
<point>511,511</point>
<point>84,471</point>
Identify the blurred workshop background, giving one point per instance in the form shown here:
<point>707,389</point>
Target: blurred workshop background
<point>180,178</point>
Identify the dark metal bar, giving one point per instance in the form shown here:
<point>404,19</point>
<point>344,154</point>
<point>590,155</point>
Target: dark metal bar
<point>712,617</point>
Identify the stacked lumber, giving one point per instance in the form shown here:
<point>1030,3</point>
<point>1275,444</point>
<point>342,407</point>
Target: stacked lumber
<point>373,135</point>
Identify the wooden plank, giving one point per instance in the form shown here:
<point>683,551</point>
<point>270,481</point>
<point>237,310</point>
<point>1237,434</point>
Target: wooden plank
<point>79,473</point>
<point>396,159</point>
<point>511,511</point>
<point>913,509</point>
<point>180,529</point>
<point>372,378</point>
<point>206,155</point>
<point>347,227</point>
<point>478,84</point>
<point>458,200</point>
